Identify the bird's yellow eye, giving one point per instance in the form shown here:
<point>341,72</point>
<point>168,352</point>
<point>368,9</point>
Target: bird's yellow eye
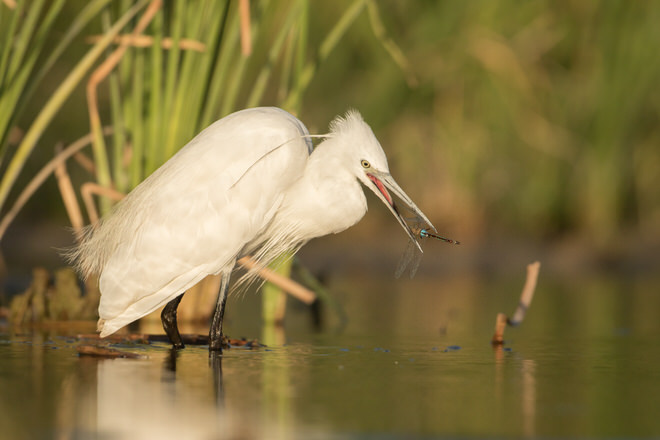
<point>365,164</point>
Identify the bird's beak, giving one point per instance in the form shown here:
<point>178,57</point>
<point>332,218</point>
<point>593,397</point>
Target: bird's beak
<point>382,182</point>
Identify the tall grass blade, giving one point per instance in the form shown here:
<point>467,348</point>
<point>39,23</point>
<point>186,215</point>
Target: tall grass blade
<point>261,82</point>
<point>155,113</point>
<point>328,44</point>
<point>176,21</point>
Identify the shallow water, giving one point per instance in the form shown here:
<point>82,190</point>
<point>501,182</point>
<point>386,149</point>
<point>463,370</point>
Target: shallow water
<point>413,360</point>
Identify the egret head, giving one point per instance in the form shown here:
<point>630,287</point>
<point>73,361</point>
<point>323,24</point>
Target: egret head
<point>368,162</point>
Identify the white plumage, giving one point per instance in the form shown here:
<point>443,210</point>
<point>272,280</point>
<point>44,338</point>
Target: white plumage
<point>251,183</point>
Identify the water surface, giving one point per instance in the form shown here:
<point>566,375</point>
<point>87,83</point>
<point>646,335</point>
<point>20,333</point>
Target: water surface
<point>413,360</point>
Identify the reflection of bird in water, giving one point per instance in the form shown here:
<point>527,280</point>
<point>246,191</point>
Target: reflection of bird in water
<point>215,363</point>
<point>251,183</point>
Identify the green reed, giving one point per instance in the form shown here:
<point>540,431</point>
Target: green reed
<point>23,42</point>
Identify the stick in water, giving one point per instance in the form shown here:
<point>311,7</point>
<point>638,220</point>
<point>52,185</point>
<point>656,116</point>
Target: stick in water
<point>500,325</point>
<point>525,301</point>
<point>527,294</point>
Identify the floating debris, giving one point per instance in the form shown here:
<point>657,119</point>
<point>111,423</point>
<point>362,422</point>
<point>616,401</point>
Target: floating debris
<point>116,338</point>
<point>108,353</point>
<point>188,339</point>
<point>245,343</point>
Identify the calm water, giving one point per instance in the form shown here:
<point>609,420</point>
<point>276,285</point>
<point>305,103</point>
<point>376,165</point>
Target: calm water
<point>413,360</point>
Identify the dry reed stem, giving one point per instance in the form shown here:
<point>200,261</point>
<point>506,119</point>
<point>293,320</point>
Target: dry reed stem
<point>523,305</point>
<point>142,41</point>
<point>500,325</point>
<point>246,34</point>
<point>527,293</point>
<point>88,189</point>
<point>42,175</point>
<point>69,197</point>
<point>85,162</point>
<point>294,289</point>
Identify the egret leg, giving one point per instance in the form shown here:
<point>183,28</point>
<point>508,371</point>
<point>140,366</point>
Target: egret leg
<point>168,317</point>
<point>215,333</point>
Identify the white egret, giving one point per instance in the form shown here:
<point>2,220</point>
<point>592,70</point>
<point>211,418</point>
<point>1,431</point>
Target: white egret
<point>250,184</point>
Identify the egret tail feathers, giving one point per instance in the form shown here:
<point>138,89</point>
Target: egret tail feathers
<point>107,325</point>
<point>99,326</point>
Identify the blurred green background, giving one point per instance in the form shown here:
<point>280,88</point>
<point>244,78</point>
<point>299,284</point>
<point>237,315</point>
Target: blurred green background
<point>514,122</point>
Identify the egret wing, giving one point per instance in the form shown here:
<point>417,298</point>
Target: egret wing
<point>193,215</point>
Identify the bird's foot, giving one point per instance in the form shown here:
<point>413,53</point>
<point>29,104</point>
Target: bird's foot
<point>218,343</point>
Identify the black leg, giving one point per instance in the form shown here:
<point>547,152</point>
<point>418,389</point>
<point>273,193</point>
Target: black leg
<point>168,317</point>
<point>216,339</point>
